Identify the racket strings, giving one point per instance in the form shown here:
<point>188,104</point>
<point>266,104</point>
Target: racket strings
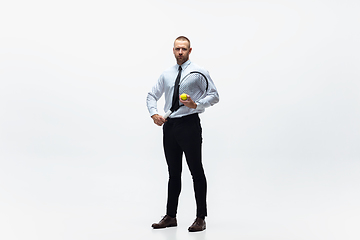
<point>195,85</point>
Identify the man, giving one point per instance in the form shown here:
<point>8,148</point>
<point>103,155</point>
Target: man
<point>182,133</point>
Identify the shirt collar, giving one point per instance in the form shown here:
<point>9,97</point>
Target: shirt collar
<point>185,64</point>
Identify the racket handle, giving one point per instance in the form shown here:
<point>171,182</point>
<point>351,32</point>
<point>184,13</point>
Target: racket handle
<point>167,114</point>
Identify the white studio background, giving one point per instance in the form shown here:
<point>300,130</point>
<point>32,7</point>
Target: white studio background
<point>81,159</point>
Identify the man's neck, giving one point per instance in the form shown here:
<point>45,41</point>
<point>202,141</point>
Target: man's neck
<point>181,63</point>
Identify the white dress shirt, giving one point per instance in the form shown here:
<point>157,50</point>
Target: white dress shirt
<point>165,84</point>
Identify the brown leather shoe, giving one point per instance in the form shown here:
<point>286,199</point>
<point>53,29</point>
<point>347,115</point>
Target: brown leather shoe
<point>165,222</point>
<point>198,225</point>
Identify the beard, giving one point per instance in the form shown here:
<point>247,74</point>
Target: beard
<point>181,59</point>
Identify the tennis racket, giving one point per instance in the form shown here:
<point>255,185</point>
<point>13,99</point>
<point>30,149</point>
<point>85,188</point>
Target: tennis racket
<point>194,84</point>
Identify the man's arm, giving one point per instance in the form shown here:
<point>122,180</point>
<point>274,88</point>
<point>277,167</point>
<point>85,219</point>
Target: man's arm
<point>212,96</point>
<point>151,101</point>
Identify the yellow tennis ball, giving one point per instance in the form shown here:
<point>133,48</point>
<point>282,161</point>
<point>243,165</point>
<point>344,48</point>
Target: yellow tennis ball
<point>183,96</point>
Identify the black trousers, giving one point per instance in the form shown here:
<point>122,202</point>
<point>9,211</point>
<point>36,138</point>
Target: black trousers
<point>184,135</point>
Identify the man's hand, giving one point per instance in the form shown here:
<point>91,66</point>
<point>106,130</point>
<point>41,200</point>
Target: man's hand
<point>188,102</point>
<point>158,120</point>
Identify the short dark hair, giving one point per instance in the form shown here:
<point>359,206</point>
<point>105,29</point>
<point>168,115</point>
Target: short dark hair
<point>183,38</point>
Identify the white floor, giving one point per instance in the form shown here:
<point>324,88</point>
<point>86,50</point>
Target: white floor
<point>81,199</point>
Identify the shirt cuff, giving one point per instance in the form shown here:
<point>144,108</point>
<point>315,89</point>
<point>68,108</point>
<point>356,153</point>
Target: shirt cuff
<point>199,106</point>
<point>153,112</point>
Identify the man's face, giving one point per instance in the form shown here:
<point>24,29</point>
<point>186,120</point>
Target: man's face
<point>181,51</point>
